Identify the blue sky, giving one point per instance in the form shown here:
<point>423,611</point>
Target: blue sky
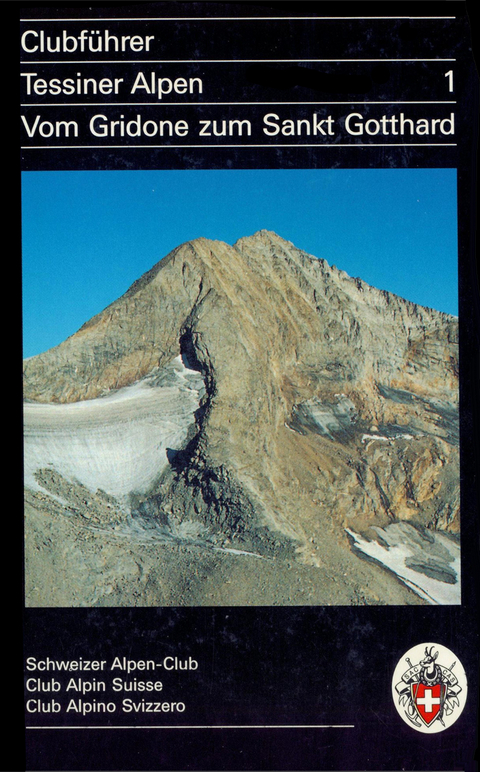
<point>87,236</point>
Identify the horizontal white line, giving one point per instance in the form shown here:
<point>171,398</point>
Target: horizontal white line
<point>189,147</point>
<point>201,726</point>
<point>223,61</point>
<point>253,18</point>
<point>225,104</point>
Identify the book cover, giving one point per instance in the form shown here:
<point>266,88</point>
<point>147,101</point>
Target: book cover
<point>250,356</point>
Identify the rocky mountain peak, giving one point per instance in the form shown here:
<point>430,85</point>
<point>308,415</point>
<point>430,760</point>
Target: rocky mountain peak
<point>263,238</point>
<point>325,407</point>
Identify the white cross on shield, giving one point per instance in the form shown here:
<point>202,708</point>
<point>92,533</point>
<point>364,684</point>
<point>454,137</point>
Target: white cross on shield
<point>428,700</point>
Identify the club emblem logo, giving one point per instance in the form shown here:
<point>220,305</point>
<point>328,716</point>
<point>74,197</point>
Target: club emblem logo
<point>429,688</point>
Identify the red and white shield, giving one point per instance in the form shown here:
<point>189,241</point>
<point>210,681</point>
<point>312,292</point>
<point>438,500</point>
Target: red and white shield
<point>428,700</point>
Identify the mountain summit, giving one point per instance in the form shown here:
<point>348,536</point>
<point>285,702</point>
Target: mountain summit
<point>245,411</point>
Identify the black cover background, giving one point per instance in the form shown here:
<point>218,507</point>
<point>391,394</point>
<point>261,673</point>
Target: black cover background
<point>298,665</point>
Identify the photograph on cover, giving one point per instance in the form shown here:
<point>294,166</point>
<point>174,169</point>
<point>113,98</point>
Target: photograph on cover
<point>241,388</point>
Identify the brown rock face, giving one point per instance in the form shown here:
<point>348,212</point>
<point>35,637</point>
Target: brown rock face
<point>328,404</point>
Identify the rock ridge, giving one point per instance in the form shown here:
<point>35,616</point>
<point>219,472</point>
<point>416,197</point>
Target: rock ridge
<point>328,404</point>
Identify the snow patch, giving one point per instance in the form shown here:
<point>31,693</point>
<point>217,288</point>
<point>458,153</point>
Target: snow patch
<point>428,564</point>
<point>118,442</point>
